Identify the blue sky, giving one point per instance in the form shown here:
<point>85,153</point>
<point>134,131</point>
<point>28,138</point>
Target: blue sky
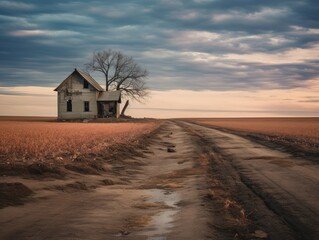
<point>199,45</point>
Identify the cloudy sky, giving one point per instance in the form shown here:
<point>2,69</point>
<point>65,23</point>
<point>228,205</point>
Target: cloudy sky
<point>205,57</point>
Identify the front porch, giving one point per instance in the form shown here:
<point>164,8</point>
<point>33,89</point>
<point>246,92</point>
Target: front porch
<point>107,109</point>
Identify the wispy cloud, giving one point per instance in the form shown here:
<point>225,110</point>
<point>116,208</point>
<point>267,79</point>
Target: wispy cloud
<point>64,18</point>
<point>10,22</point>
<point>263,15</point>
<point>27,91</point>
<point>191,45</point>
<point>310,101</point>
<point>17,6</point>
<point>31,33</point>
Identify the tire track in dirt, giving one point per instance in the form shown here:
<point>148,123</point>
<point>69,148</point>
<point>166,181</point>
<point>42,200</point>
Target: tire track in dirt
<point>284,188</point>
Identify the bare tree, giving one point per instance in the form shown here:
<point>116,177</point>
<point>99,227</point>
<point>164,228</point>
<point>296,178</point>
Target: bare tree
<point>121,73</point>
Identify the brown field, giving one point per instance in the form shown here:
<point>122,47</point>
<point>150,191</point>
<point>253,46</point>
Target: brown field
<point>302,133</point>
<point>27,119</point>
<point>296,127</point>
<point>33,139</point>
<point>145,179</point>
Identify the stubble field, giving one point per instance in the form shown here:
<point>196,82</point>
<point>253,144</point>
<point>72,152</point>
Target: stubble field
<point>98,180</point>
<point>301,134</point>
<point>297,127</point>
<point>25,140</point>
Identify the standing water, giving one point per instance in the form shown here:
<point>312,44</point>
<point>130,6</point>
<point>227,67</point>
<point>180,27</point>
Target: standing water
<point>163,221</point>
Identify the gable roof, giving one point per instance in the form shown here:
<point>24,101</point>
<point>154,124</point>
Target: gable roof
<point>109,96</point>
<point>86,76</point>
<point>91,80</point>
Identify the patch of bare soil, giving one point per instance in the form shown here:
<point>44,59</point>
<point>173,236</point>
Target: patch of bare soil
<point>107,182</point>
<point>171,180</point>
<point>137,221</point>
<point>75,186</point>
<point>13,194</point>
<point>33,170</point>
<point>153,205</point>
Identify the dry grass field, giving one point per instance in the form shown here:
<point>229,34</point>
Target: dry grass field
<point>296,127</point>
<point>302,133</point>
<point>144,179</point>
<point>34,139</point>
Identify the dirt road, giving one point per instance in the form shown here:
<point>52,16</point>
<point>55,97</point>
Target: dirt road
<point>280,191</point>
<point>192,182</point>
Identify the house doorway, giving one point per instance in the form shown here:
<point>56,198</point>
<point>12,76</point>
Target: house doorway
<point>106,109</point>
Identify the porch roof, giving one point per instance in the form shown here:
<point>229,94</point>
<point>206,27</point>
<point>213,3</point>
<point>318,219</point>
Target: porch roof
<point>109,96</point>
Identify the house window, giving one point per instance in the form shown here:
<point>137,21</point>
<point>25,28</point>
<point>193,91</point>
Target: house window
<point>85,84</point>
<point>86,106</point>
<point>69,106</point>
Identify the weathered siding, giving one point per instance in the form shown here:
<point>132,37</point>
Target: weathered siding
<point>73,90</point>
<point>117,110</point>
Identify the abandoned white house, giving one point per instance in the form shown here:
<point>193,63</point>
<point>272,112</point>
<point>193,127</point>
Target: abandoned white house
<point>81,97</point>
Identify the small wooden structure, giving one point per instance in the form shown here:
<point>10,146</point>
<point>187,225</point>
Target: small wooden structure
<point>81,97</point>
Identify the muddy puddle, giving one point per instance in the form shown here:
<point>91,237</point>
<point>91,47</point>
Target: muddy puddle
<point>162,222</point>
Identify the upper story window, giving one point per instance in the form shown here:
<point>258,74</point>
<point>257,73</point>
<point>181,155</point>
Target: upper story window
<point>85,84</point>
<point>69,106</point>
<point>86,106</point>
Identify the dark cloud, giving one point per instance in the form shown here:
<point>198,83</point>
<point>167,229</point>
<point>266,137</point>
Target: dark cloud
<point>183,44</point>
